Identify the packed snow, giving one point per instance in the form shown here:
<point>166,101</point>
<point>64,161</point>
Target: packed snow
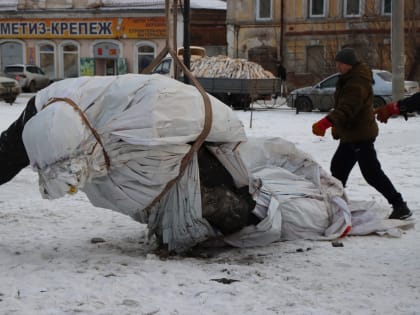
<point>68,257</point>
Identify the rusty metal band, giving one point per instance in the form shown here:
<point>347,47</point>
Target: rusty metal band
<point>84,120</point>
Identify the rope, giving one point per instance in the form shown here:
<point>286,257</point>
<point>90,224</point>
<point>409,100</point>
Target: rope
<point>208,115</point>
<point>84,120</point>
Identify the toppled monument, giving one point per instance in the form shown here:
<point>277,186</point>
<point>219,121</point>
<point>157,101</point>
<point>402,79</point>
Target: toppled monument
<point>126,141</point>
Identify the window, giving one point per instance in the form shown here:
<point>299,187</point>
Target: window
<point>317,8</point>
<point>352,8</point>
<point>145,55</point>
<point>315,60</point>
<point>330,83</point>
<point>385,75</point>
<point>264,9</point>
<point>11,52</point>
<point>70,60</point>
<point>106,50</point>
<point>164,67</point>
<point>386,7</point>
<point>12,69</point>
<point>34,69</point>
<point>46,59</point>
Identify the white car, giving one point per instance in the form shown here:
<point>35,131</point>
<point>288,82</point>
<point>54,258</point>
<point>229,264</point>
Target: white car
<point>166,66</point>
<point>30,77</point>
<point>321,95</point>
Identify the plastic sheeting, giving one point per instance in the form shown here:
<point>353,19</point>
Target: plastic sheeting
<point>146,124</point>
<point>295,196</point>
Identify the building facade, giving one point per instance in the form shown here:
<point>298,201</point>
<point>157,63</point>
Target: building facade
<point>71,38</point>
<point>306,34</point>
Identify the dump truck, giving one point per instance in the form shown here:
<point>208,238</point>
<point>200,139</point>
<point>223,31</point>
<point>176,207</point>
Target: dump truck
<point>236,82</point>
<point>240,93</point>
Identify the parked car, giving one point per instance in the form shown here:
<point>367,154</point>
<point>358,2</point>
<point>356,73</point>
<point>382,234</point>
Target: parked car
<point>321,95</point>
<point>30,77</point>
<point>9,89</point>
<point>166,66</point>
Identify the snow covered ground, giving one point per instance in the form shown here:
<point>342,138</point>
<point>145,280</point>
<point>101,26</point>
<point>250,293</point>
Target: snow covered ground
<point>68,257</point>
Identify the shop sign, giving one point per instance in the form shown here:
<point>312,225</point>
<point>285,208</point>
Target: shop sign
<point>106,28</point>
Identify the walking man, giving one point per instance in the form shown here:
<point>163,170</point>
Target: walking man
<point>353,123</point>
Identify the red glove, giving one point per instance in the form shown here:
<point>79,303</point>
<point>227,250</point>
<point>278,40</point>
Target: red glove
<point>321,126</point>
<point>386,111</point>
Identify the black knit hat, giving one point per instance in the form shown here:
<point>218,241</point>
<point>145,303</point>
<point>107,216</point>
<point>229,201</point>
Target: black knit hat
<point>347,56</point>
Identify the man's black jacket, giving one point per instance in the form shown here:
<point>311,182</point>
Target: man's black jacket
<point>410,104</point>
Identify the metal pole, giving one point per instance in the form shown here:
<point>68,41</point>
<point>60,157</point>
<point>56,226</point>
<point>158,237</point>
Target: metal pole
<point>175,35</point>
<point>187,53</point>
<point>397,49</point>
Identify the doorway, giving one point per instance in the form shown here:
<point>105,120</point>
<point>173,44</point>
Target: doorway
<point>106,56</point>
<point>106,67</point>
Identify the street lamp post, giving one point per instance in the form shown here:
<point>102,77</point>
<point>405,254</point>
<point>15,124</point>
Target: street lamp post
<point>397,49</point>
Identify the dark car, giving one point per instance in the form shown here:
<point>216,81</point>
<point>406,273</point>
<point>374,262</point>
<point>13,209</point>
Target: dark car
<point>30,77</point>
<point>321,95</point>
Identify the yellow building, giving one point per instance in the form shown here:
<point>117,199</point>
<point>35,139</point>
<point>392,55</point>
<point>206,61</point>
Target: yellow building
<point>70,38</point>
<point>306,34</point>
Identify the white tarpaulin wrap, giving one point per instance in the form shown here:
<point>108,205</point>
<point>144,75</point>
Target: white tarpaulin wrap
<point>145,125</point>
<point>296,198</point>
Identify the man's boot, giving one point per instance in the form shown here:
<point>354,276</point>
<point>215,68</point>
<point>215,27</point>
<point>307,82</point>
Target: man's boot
<point>400,211</point>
